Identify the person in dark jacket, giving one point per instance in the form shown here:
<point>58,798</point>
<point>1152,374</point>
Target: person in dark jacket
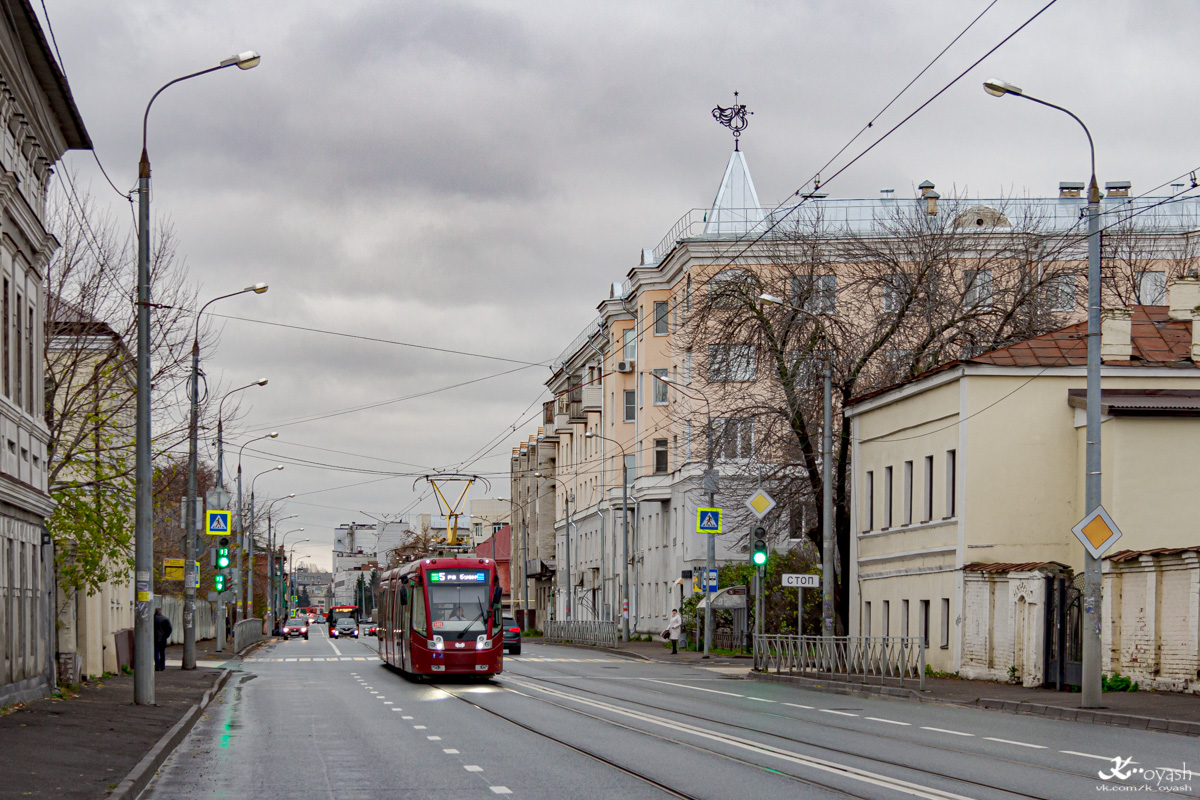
<point>162,632</point>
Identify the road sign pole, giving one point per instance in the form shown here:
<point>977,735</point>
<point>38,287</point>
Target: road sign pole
<point>800,611</point>
<point>220,623</point>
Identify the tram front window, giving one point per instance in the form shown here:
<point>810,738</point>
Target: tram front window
<point>459,612</point>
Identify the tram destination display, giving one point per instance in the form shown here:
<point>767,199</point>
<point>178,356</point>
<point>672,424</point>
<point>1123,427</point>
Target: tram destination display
<point>453,576</point>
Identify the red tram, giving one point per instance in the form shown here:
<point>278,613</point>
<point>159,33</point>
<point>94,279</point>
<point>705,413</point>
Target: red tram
<point>440,615</point>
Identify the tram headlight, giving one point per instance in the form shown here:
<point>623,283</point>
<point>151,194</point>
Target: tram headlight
<point>483,643</point>
<point>438,643</point>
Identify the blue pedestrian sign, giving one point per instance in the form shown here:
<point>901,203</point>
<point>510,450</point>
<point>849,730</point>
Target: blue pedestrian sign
<point>708,520</point>
<point>216,523</point>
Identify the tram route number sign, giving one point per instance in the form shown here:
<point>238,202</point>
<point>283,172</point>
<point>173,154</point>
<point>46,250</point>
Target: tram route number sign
<point>454,576</point>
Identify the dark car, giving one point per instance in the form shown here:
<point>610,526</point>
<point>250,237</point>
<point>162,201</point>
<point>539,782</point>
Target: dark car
<point>346,626</point>
<point>512,637</point>
<point>373,631</point>
<point>296,626</point>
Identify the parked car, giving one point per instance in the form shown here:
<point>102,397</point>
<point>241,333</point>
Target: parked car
<point>512,636</point>
<point>345,626</point>
<point>296,626</point>
<point>373,631</point>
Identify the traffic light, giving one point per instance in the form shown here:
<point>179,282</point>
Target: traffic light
<point>219,581</point>
<point>222,554</point>
<point>758,547</point>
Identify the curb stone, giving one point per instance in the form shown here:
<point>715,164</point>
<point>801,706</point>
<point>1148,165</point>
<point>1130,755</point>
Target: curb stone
<point>991,704</point>
<point>140,775</point>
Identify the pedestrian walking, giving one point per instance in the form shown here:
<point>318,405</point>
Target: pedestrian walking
<point>162,632</point>
<point>674,628</point>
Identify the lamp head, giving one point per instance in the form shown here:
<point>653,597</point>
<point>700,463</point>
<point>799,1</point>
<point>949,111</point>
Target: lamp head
<point>246,60</point>
<point>998,88</point>
<point>272,434</point>
<point>257,288</point>
<point>538,475</point>
<point>261,381</point>
<point>770,298</point>
<point>590,435</point>
<point>279,466</point>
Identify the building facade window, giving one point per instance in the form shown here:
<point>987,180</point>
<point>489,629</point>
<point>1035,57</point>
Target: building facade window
<point>945,623</point>
<point>630,405</point>
<point>866,626</point>
<point>7,347</point>
<point>887,497</point>
<point>660,388</point>
<point>731,363</point>
<point>896,289</point>
<point>20,365</point>
<point>730,289</point>
<point>1152,288</point>
<point>815,293</point>
<point>904,618</point>
<point>869,510</point>
<point>631,468</point>
<point>977,288</point>
<point>661,465</point>
<point>886,619</point>
<point>629,345</point>
<point>733,437</point>
<point>908,492</point>
<point>927,514</point>
<point>951,476</point>
<point>661,326</point>
<point>925,623</point>
<point>1060,293</point>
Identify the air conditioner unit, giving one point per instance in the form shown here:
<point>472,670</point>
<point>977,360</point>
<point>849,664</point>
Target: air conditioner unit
<point>624,366</point>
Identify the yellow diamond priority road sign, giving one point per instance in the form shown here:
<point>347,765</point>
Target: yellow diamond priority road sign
<point>1097,532</point>
<point>760,503</point>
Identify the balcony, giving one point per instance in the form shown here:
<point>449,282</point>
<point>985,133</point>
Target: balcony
<point>593,398</point>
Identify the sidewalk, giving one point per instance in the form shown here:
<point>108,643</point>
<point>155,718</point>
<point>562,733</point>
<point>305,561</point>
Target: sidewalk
<point>84,747</point>
<point>1175,713</point>
<point>660,651</point>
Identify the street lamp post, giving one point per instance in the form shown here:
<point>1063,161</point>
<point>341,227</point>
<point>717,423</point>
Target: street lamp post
<point>624,532</point>
<point>1092,579</point>
<point>221,428</point>
<point>272,588</point>
<point>143,649</point>
<point>189,537</point>
<point>283,549</point>
<point>248,546</point>
<point>710,480</point>
<point>828,541</point>
<point>241,544</point>
<point>292,572</point>
<point>567,534</point>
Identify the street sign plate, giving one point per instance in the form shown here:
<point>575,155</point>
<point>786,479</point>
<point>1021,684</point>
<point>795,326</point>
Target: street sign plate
<point>802,581</point>
<point>172,569</point>
<point>216,523</point>
<point>1097,532</point>
<point>760,503</point>
<point>708,520</point>
<point>698,575</point>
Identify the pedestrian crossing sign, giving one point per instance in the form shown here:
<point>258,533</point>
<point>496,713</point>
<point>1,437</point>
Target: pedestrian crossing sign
<point>708,520</point>
<point>216,523</point>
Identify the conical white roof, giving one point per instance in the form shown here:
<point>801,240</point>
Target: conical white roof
<point>735,209</point>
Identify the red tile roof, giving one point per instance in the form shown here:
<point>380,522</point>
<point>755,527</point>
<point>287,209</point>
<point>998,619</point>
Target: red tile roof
<point>498,547</point>
<point>1131,555</point>
<point>1010,566</point>
<point>1156,338</point>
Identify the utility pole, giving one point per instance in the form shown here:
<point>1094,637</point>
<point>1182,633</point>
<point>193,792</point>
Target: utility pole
<point>828,543</point>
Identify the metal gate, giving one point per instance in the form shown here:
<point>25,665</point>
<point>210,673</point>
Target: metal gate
<point>1064,631</point>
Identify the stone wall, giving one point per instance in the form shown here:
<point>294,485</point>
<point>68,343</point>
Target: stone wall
<point>1004,623</point>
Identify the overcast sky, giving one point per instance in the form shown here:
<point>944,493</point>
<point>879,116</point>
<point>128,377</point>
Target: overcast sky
<point>474,175</point>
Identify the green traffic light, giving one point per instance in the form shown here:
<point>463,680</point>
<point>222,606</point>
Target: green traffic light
<point>760,558</point>
<point>222,557</point>
<point>219,582</point>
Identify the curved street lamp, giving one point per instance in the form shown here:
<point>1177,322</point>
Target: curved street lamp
<point>221,428</point>
<point>1092,580</point>
<point>624,532</point>
<point>143,649</point>
<point>248,542</point>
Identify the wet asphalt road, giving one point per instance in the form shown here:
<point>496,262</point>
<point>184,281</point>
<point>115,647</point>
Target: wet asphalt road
<point>568,723</point>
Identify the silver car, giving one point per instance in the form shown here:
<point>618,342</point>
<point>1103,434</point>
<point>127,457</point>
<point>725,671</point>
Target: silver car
<point>344,627</point>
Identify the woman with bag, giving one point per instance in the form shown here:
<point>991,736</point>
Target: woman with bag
<point>674,629</point>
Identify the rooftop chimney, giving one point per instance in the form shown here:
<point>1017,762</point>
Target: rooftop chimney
<point>931,198</point>
<point>1117,189</point>
<point>926,187</point>
<point>647,256</point>
<point>1116,326</point>
<point>1183,294</point>
<point>1070,189</point>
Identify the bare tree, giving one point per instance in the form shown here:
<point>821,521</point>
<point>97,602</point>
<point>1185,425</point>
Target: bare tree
<point>875,305</point>
<point>418,543</point>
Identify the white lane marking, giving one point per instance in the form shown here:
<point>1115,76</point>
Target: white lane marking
<point>840,713</point>
<point>306,659</point>
<point>359,658</point>
<point>418,727</point>
<point>1018,744</point>
<point>1085,755</point>
<point>367,687</point>
<point>888,721</point>
<point>406,717</point>
<point>761,748</point>
<point>434,738</point>
<point>943,730</point>
<point>336,652</point>
<point>472,768</point>
<point>797,705</point>
<point>289,659</point>
<point>697,688</point>
<point>450,751</point>
<point>762,699</point>
<point>500,789</point>
<point>387,702</point>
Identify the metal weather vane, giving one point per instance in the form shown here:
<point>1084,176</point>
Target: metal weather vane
<point>734,117</point>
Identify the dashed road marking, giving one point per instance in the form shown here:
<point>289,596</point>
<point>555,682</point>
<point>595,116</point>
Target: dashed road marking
<point>762,699</point>
<point>943,730</point>
<point>797,705</point>
<point>434,738</point>
<point>450,751</point>
<point>1085,755</point>
<point>840,713</point>
<point>888,721</point>
<point>697,688</point>
<point>387,702</point>
<point>418,727</point>
<point>472,768</point>
<point>500,789</point>
<point>1018,744</point>
<point>406,717</point>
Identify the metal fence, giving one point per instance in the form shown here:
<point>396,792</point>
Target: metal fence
<point>206,618</point>
<point>246,633</point>
<point>868,659</point>
<point>601,634</point>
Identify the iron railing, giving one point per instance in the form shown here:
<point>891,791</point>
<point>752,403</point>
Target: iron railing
<point>246,633</point>
<point>600,634</point>
<point>866,659</point>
